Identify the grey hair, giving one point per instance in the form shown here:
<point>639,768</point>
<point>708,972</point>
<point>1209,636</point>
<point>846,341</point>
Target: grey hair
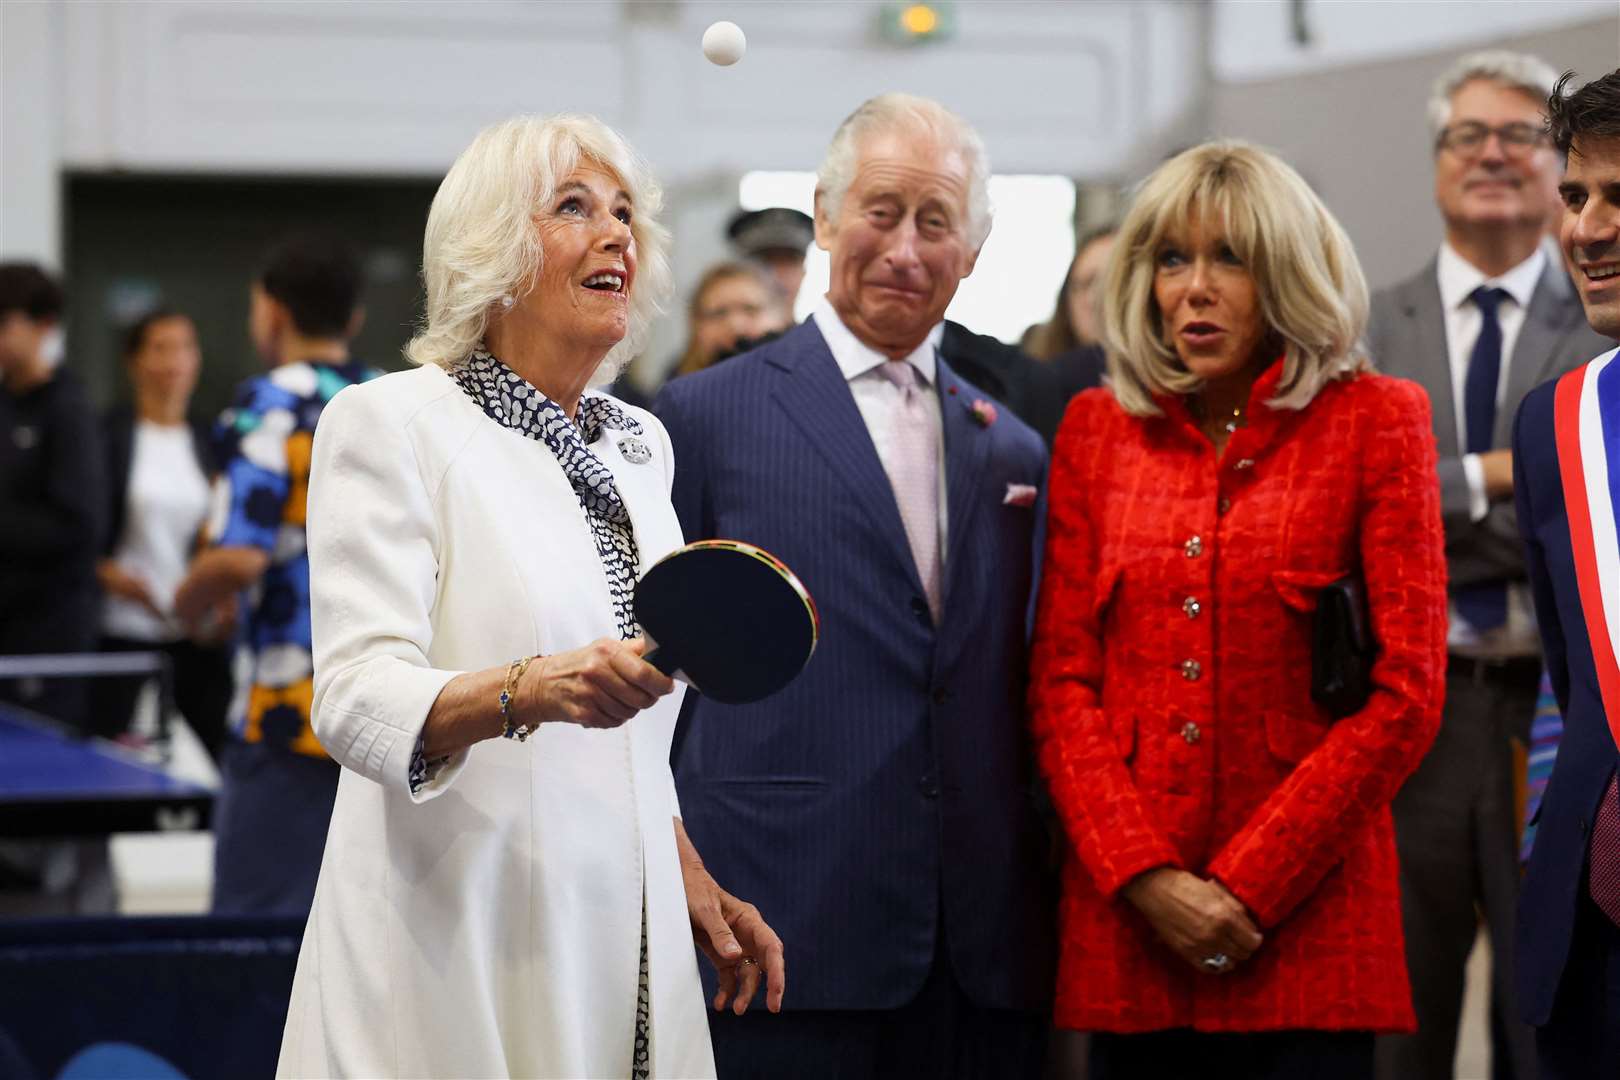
<point>481,244</point>
<point>1518,71</point>
<point>907,112</point>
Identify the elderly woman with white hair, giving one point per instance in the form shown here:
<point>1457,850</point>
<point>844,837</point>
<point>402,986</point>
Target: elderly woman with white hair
<point>1230,903</point>
<point>507,888</point>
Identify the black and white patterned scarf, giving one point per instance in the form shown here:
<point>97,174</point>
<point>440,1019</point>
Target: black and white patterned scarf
<point>511,401</point>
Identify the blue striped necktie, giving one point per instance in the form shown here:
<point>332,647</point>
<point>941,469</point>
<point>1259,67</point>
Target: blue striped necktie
<point>1483,605</point>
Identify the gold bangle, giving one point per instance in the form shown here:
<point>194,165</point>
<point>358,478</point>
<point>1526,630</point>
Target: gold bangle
<point>514,672</point>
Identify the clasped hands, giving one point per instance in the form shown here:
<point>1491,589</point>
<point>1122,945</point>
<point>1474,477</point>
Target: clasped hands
<point>1196,917</point>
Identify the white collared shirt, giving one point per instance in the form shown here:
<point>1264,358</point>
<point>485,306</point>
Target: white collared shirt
<point>877,397</point>
<point>1458,280</point>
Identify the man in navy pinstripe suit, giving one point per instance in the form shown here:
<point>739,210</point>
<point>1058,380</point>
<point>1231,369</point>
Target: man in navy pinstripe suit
<point>880,809</point>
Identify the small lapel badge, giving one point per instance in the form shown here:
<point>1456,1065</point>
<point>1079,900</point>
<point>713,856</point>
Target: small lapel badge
<point>634,450</point>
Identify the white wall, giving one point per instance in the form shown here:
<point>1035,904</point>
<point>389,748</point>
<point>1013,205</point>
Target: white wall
<point>1253,39</point>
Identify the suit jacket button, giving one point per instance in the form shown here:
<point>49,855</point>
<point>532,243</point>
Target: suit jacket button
<point>1192,607</point>
<point>1190,732</point>
<point>929,787</point>
<point>919,608</point>
<point>1194,547</point>
<point>1191,670</point>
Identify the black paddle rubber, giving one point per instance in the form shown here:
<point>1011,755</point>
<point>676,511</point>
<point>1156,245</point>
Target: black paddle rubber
<point>728,616</point>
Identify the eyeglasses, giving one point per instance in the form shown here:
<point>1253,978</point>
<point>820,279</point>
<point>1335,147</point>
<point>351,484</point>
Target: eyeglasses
<point>1516,139</point>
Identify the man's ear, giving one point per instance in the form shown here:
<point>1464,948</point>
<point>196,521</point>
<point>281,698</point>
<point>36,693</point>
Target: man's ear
<point>356,321</point>
<point>825,229</point>
<point>973,256</point>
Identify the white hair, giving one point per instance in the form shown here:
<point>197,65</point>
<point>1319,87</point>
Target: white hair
<point>1517,71</point>
<point>907,112</point>
<point>481,243</point>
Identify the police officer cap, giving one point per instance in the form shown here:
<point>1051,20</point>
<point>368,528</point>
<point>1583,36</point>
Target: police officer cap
<point>774,229</point>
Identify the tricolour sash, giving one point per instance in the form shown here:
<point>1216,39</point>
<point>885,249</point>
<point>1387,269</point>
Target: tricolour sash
<point>1586,419</point>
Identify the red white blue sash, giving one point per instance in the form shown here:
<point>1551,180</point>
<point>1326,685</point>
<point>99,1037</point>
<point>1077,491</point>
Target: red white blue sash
<point>1586,419</point>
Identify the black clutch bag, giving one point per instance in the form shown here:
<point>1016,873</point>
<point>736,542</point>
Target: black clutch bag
<point>1342,647</point>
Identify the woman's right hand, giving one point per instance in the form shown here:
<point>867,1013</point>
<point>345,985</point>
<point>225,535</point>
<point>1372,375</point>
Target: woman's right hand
<point>116,581</point>
<point>1198,919</point>
<point>599,686</point>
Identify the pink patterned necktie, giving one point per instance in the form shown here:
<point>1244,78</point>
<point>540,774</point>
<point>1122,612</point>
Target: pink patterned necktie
<point>1603,873</point>
<point>913,467</point>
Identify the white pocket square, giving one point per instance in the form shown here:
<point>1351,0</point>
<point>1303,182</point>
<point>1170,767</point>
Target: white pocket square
<point>1019,495</point>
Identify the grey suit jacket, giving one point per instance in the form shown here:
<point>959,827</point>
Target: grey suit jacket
<point>1406,336</point>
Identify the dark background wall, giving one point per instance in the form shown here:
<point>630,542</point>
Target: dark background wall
<point>192,243</point>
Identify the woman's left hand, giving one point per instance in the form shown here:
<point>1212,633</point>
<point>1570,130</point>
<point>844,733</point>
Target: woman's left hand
<point>732,934</point>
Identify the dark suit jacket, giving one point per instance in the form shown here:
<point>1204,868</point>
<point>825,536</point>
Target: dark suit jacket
<point>890,786</point>
<point>1586,753</point>
<point>118,446</point>
<point>1037,391</point>
<point>1406,336</point>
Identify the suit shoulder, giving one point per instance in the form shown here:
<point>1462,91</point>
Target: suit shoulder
<point>1387,398</point>
<point>398,395</point>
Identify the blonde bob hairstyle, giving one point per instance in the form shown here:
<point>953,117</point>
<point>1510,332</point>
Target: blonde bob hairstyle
<point>481,243</point>
<point>1311,290</point>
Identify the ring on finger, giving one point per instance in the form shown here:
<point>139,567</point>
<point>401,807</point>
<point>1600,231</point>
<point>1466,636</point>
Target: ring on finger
<point>745,961</point>
<point>1217,963</point>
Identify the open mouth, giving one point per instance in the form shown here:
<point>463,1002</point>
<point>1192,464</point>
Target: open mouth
<point>1601,272</point>
<point>609,281</point>
<point>1201,331</point>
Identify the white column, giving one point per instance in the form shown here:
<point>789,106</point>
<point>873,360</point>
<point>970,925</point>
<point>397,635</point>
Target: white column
<point>30,141</point>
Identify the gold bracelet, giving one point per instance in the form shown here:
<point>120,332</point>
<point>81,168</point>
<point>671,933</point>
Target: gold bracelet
<point>514,672</point>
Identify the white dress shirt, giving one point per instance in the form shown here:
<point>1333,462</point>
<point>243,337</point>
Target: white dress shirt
<point>877,398</point>
<point>166,504</point>
<point>1458,280</point>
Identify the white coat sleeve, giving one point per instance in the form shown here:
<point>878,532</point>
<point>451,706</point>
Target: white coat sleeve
<point>373,567</point>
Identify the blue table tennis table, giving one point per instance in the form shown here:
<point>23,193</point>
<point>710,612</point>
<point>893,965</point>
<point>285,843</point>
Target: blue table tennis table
<point>56,784</point>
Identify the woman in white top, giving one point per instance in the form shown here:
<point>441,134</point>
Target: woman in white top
<point>526,905</point>
<point>158,466</point>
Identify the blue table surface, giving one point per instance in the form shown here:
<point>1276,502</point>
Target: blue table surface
<point>38,762</point>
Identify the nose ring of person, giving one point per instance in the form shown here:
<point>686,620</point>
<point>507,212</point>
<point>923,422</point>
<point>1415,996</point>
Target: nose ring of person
<point>1217,963</point>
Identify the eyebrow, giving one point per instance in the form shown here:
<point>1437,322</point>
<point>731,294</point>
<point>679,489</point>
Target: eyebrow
<point>575,185</point>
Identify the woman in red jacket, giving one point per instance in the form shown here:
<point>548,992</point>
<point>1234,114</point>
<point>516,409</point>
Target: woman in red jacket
<point>1230,906</point>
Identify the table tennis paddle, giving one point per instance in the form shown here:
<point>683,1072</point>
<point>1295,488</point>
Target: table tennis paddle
<point>728,618</point>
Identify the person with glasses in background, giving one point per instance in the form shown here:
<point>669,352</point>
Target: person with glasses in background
<point>1488,318</point>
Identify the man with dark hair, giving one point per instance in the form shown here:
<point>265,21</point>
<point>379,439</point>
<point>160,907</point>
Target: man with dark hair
<point>278,784</point>
<point>50,494</point>
<point>50,533</point>
<point>1487,318</point>
<point>1566,449</point>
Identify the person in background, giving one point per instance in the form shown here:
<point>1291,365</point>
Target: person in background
<point>1075,319</point>
<point>51,503</point>
<point>51,526</point>
<point>735,304</point>
<point>1489,317</point>
<point>777,239</point>
<point>1568,937</point>
<point>278,783</point>
<point>881,807</point>
<point>1230,902</point>
<point>159,465</point>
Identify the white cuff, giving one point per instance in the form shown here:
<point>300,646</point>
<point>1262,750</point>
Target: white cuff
<point>1478,504</point>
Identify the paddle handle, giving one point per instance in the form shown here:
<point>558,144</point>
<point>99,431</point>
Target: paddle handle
<point>663,661</point>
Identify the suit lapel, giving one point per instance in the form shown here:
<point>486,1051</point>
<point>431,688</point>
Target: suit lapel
<point>967,448</point>
<point>1535,352</point>
<point>1426,327</point>
<point>817,400</point>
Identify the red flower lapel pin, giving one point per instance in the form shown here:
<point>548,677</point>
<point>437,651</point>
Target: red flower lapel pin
<point>984,412</point>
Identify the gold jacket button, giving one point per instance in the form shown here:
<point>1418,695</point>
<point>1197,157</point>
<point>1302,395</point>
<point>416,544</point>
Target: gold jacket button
<point>1191,670</point>
<point>1190,732</point>
<point>1194,547</point>
<point>1192,607</point>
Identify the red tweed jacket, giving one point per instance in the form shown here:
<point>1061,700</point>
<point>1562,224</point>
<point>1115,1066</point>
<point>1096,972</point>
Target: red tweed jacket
<point>1171,703</point>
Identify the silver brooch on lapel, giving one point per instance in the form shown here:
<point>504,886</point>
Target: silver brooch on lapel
<point>634,450</point>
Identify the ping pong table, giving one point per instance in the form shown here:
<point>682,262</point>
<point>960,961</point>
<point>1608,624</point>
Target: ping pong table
<point>55,783</point>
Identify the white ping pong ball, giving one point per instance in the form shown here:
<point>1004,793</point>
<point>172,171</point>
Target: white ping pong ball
<point>724,43</point>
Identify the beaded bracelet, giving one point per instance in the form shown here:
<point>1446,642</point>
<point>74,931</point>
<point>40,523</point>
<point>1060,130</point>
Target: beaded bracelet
<point>514,672</point>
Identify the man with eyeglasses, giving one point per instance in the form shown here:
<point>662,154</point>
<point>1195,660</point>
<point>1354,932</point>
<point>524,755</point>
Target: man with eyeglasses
<point>1490,317</point>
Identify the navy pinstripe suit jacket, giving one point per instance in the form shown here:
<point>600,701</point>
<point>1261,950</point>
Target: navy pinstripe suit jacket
<point>890,787</point>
